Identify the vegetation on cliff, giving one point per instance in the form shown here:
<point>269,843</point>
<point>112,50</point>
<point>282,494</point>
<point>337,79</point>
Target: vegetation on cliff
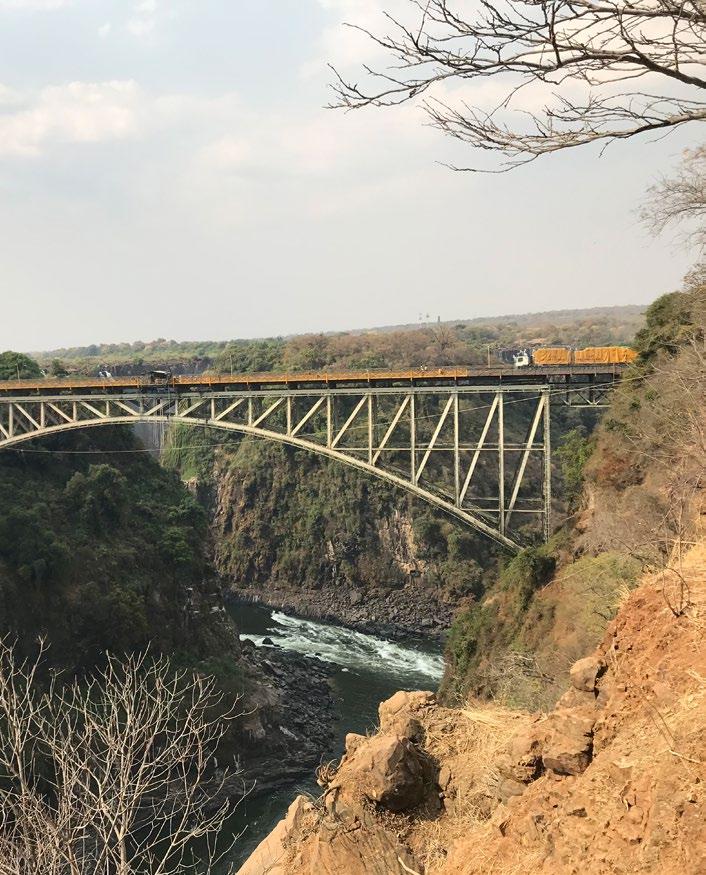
<point>635,485</point>
<point>100,549</point>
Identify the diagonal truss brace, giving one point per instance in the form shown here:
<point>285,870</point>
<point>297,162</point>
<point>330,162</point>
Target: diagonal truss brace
<point>393,425</point>
<point>479,448</point>
<point>434,438</point>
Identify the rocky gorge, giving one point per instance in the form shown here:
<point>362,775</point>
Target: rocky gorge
<point>610,780</point>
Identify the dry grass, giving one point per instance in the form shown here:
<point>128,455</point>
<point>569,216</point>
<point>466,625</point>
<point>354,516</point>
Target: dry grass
<point>469,748</point>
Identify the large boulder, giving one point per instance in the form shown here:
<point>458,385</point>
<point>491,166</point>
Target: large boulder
<point>387,770</point>
<point>585,673</point>
<point>398,714</point>
<point>569,746</point>
<point>522,760</point>
<point>363,849</point>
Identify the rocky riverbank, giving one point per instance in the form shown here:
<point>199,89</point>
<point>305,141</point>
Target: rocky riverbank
<point>414,610</point>
<point>287,727</point>
<point>611,780</point>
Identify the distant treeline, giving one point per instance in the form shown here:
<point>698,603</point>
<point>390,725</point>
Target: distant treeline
<point>442,343</point>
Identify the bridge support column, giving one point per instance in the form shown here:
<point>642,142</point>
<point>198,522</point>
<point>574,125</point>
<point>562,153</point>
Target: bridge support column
<point>371,427</point>
<point>457,455</point>
<point>501,462</point>
<point>413,436</point>
<point>547,464</point>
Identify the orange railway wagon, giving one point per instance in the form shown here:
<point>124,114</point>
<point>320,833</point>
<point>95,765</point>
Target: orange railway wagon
<point>604,355</point>
<point>552,355</point>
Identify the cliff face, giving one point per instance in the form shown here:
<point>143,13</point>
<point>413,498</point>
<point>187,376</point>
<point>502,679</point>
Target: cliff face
<point>611,780</point>
<point>295,531</point>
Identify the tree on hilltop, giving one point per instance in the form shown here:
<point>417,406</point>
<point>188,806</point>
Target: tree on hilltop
<point>17,366</point>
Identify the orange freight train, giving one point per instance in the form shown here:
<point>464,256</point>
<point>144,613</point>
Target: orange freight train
<point>590,355</point>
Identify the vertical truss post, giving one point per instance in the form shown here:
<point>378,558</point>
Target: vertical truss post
<point>547,465</point>
<point>501,462</point>
<point>289,414</point>
<point>329,420</point>
<point>371,428</point>
<point>457,455</point>
<point>412,436</point>
<point>213,408</point>
<point>250,411</point>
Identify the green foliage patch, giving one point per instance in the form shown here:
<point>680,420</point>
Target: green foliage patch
<point>97,549</point>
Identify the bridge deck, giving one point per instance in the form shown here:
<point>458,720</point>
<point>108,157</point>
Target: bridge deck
<point>456,376</point>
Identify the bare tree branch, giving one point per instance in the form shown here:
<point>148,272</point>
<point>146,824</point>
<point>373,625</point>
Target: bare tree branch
<point>680,200</point>
<point>112,775</point>
<point>585,52</point>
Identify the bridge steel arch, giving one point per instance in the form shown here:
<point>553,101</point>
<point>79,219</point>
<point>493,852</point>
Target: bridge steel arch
<point>361,428</point>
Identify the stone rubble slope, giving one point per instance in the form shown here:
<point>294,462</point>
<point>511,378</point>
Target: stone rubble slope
<point>613,780</point>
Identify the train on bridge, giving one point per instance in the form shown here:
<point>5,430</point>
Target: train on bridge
<point>550,356</point>
<point>542,365</point>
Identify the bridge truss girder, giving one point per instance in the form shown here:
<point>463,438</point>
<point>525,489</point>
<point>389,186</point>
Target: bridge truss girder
<point>432,441</point>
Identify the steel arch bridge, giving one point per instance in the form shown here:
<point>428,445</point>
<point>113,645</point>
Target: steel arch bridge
<point>476,445</point>
<point>376,432</point>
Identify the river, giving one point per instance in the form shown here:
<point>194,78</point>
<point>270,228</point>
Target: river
<point>368,670</point>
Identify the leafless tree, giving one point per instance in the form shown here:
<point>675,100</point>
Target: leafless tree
<point>111,775</point>
<point>681,199</point>
<point>606,70</point>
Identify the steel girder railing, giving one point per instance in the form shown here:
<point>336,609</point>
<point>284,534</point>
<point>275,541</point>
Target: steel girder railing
<point>454,447</point>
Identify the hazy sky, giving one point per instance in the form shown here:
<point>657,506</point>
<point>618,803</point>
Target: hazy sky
<point>167,169</point>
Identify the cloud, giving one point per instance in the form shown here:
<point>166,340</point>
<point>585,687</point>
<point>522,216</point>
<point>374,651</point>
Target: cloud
<point>344,46</point>
<point>79,112</point>
<point>105,29</point>
<point>143,19</point>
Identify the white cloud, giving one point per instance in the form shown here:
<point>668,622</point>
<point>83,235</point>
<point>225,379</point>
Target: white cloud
<point>105,29</point>
<point>144,18</point>
<point>79,112</point>
<point>344,46</point>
